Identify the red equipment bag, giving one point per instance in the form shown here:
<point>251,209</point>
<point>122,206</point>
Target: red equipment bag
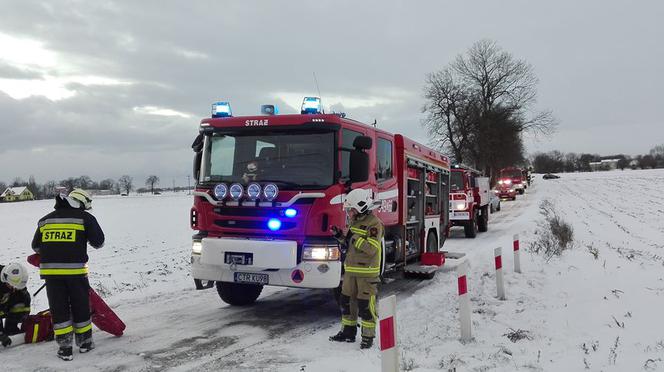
<point>103,317</point>
<point>38,327</point>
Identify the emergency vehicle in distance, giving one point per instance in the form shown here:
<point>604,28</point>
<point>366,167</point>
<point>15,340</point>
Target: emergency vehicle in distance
<point>514,176</point>
<point>269,188</point>
<point>469,200</point>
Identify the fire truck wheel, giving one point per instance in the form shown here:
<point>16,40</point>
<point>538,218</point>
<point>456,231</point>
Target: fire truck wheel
<point>470,228</point>
<point>238,294</point>
<point>521,191</point>
<point>483,220</point>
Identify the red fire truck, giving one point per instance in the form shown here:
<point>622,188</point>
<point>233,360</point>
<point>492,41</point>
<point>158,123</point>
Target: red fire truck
<point>269,188</point>
<point>469,200</point>
<point>515,177</point>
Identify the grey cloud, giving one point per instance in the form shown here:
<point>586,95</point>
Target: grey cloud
<point>598,62</point>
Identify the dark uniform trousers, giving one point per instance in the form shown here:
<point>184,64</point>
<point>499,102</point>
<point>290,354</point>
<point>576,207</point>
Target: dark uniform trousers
<point>70,307</point>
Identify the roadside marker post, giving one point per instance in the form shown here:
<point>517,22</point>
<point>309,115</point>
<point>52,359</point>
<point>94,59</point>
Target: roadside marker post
<point>389,352</point>
<point>517,254</point>
<point>464,301</point>
<point>500,280</point>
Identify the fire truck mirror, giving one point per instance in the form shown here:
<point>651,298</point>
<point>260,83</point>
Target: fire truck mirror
<point>362,143</point>
<point>359,166</point>
<point>197,164</point>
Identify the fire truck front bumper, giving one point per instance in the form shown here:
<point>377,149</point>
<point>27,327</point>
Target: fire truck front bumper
<point>266,262</point>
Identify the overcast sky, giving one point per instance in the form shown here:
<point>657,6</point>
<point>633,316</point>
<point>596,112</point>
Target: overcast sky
<point>110,88</point>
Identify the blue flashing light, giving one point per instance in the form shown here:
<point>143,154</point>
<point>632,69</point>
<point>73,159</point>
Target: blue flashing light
<point>311,105</point>
<point>273,224</point>
<point>221,110</point>
<point>290,212</point>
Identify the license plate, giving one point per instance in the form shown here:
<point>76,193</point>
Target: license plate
<point>459,215</point>
<point>239,258</point>
<point>251,278</point>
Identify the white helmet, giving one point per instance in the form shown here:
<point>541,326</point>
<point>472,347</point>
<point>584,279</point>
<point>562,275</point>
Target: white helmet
<point>359,199</point>
<point>15,275</point>
<point>82,197</point>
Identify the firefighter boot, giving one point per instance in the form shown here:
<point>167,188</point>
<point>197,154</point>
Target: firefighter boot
<point>366,343</point>
<point>86,346</point>
<point>347,334</point>
<point>65,353</point>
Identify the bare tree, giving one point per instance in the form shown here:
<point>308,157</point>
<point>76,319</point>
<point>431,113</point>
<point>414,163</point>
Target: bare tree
<point>126,184</point>
<point>152,181</point>
<point>3,187</point>
<point>106,184</point>
<point>481,103</point>
<point>48,189</point>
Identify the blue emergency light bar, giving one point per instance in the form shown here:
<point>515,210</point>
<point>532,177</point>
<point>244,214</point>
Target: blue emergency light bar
<point>221,110</point>
<point>311,105</point>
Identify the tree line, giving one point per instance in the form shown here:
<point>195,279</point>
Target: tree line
<point>558,162</point>
<point>123,185</point>
<point>479,106</point>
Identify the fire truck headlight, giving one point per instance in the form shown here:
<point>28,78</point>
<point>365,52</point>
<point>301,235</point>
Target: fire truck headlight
<point>290,212</point>
<point>220,191</point>
<point>254,191</point>
<point>270,191</point>
<point>459,206</point>
<point>273,224</point>
<point>221,110</point>
<point>500,182</point>
<point>320,252</point>
<point>236,190</point>
<point>196,247</point>
<point>508,182</point>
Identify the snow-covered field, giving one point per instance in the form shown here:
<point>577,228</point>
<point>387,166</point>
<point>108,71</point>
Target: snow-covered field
<point>580,312</point>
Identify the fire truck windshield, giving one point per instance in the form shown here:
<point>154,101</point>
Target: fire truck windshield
<point>456,180</point>
<point>293,160</point>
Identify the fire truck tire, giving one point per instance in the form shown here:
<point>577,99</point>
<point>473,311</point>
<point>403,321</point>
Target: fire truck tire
<point>483,220</point>
<point>521,191</point>
<point>238,294</point>
<point>470,228</point>
<point>432,242</point>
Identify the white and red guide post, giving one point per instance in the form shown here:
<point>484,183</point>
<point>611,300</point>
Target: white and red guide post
<point>517,254</point>
<point>389,352</point>
<point>464,301</point>
<point>500,280</point>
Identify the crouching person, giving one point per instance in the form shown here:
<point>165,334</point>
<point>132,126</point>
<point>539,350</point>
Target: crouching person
<point>61,241</point>
<point>14,300</point>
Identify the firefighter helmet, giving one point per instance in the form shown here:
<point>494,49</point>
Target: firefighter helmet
<point>15,275</point>
<point>359,199</point>
<point>82,197</point>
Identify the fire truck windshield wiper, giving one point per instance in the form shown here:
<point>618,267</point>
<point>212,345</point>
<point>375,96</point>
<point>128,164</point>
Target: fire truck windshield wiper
<point>285,183</point>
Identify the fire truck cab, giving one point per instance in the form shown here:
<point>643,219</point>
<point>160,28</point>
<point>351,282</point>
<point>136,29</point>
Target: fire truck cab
<point>514,176</point>
<point>469,200</point>
<point>270,187</point>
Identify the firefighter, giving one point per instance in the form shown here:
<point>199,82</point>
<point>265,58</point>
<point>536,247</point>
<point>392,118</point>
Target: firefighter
<point>14,300</point>
<point>361,268</point>
<point>61,241</point>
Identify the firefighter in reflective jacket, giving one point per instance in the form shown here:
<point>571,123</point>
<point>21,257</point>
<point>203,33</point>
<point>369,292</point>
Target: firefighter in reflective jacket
<point>361,268</point>
<point>14,300</point>
<point>61,241</point>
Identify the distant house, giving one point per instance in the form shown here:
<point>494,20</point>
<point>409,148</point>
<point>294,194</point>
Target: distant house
<point>16,194</point>
<point>604,165</point>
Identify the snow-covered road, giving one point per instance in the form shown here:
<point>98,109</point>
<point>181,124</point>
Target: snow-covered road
<point>564,303</point>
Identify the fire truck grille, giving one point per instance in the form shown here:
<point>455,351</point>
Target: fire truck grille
<point>254,225</point>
